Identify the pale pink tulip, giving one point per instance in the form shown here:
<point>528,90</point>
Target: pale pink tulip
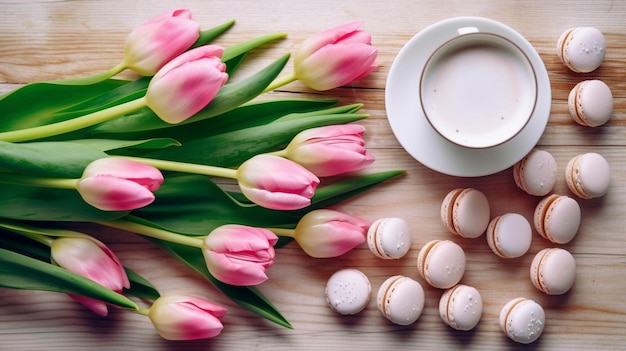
<point>276,183</point>
<point>187,84</point>
<point>330,150</point>
<point>116,184</point>
<point>335,57</point>
<point>156,42</point>
<point>92,259</point>
<point>239,255</point>
<point>179,317</point>
<point>328,233</point>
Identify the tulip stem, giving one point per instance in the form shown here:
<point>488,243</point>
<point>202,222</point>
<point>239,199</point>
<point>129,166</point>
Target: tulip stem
<point>26,232</point>
<point>279,82</point>
<point>73,124</point>
<point>283,232</point>
<point>95,78</point>
<point>193,168</point>
<point>156,233</point>
<point>23,179</point>
<point>142,311</point>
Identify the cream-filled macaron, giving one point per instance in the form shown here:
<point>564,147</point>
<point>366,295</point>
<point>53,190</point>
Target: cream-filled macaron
<point>557,218</point>
<point>441,263</point>
<point>461,307</point>
<point>588,175</point>
<point>389,238</point>
<point>536,173</point>
<point>465,212</point>
<point>509,235</point>
<point>401,299</point>
<point>522,320</point>
<point>581,49</point>
<point>553,271</point>
<point>590,103</point>
<point>348,291</point>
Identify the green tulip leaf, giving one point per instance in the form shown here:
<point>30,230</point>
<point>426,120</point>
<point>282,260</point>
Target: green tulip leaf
<point>195,205</point>
<point>236,50</point>
<point>250,114</point>
<point>47,159</point>
<point>140,287</point>
<point>33,203</point>
<point>208,35</point>
<point>22,272</point>
<point>114,144</point>
<point>249,298</point>
<point>25,107</point>
<point>229,97</point>
<point>233,148</point>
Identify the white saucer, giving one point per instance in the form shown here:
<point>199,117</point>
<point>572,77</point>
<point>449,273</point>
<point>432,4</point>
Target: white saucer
<point>414,132</point>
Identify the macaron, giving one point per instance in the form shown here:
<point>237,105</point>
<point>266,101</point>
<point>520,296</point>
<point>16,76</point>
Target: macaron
<point>581,49</point>
<point>441,263</point>
<point>590,103</point>
<point>401,300</point>
<point>557,218</point>
<point>461,307</point>
<point>536,173</point>
<point>465,212</point>
<point>348,291</point>
<point>553,271</point>
<point>588,175</point>
<point>509,235</point>
<point>522,320</point>
<point>389,238</point>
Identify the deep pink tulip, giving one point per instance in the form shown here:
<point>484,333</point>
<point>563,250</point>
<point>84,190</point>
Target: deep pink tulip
<point>239,255</point>
<point>116,184</point>
<point>187,84</point>
<point>91,259</point>
<point>330,150</point>
<point>276,183</point>
<point>156,42</point>
<point>335,57</point>
<point>328,233</point>
<point>179,317</point>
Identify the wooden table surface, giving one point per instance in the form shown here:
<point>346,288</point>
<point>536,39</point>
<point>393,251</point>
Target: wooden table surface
<point>43,40</point>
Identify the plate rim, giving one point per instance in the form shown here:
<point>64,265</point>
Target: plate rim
<point>422,142</point>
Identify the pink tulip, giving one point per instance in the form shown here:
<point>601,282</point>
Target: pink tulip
<point>276,183</point>
<point>91,259</point>
<point>330,150</point>
<point>116,184</point>
<point>335,57</point>
<point>179,317</point>
<point>159,40</point>
<point>187,84</point>
<point>238,254</point>
<point>328,233</point>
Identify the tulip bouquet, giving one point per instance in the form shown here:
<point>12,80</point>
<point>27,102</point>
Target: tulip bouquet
<point>144,156</point>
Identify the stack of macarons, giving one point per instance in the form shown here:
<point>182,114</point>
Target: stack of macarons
<point>582,50</point>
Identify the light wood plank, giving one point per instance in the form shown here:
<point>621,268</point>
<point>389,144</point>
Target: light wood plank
<point>53,39</point>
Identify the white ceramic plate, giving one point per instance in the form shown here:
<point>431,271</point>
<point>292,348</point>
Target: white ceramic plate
<point>414,132</point>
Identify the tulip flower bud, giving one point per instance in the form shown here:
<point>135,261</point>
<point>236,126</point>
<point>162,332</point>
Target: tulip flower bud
<point>330,150</point>
<point>179,317</point>
<point>159,40</point>
<point>91,259</point>
<point>335,57</point>
<point>116,184</point>
<point>276,183</point>
<point>238,254</point>
<point>328,233</point>
<point>187,84</point>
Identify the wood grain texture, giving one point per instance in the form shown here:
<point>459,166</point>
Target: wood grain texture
<point>52,39</point>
